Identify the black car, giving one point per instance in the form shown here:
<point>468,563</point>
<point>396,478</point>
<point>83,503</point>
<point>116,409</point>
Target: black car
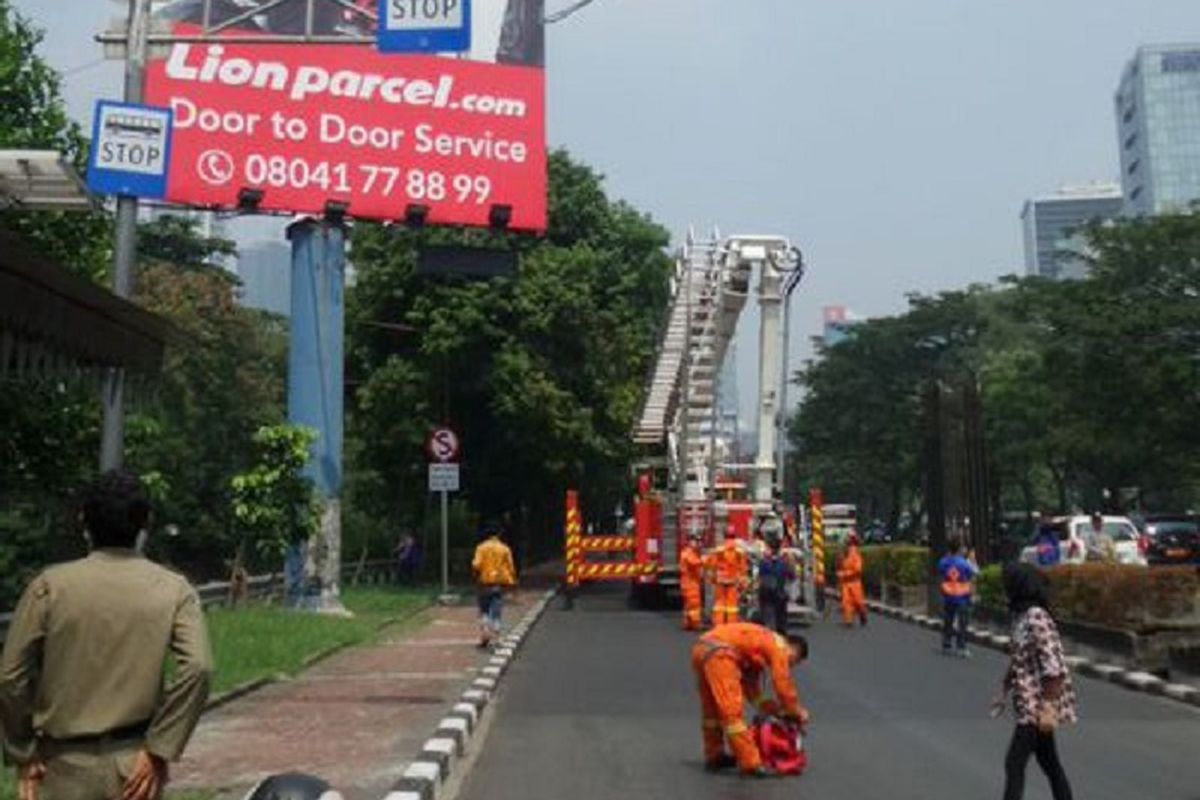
<point>1173,539</point>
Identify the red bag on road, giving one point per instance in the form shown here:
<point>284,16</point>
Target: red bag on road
<point>781,745</point>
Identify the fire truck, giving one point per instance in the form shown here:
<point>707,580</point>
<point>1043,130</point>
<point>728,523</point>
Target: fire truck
<point>689,481</point>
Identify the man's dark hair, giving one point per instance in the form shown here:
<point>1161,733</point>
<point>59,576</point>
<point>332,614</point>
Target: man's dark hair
<point>489,529</point>
<point>115,509</point>
<point>800,643</point>
<point>1025,586</point>
<point>955,546</point>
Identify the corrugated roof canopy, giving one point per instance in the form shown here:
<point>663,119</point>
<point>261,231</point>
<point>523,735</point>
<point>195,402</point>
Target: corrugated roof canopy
<point>51,318</point>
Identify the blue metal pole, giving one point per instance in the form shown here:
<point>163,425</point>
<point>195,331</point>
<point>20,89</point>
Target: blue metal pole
<point>315,393</point>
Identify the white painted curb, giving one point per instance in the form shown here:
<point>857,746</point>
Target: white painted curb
<point>1135,680</point>
<point>424,777</point>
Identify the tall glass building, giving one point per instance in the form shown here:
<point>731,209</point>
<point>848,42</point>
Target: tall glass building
<point>1158,125</point>
<point>1052,226</point>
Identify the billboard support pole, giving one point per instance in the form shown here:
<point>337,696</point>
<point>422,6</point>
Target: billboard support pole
<point>315,394</point>
<point>112,435</point>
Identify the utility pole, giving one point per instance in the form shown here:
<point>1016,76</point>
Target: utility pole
<point>112,438</point>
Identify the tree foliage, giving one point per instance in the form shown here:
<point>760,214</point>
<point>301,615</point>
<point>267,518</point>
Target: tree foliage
<point>540,374</point>
<point>273,502</point>
<point>32,115</point>
<point>222,380</point>
<point>1090,389</point>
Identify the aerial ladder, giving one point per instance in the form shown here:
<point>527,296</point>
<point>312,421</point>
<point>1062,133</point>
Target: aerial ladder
<point>678,426</point>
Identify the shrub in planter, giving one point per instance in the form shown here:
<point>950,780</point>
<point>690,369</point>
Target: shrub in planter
<point>875,566</point>
<point>989,589</point>
<point>1126,597</point>
<point>908,565</point>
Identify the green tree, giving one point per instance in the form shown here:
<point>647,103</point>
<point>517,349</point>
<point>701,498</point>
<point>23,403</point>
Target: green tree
<point>48,430</point>
<point>273,502</point>
<point>222,380</point>
<point>32,115</point>
<point>540,374</point>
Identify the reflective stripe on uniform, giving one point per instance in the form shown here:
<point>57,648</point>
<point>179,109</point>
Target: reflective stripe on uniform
<point>736,728</point>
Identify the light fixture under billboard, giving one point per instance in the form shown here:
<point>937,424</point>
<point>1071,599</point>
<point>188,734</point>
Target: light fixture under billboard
<point>465,262</point>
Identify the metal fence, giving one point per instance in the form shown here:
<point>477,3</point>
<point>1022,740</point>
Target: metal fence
<point>265,587</point>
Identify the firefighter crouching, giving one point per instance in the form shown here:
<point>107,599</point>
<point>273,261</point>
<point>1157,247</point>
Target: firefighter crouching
<point>730,570</point>
<point>729,662</point>
<point>691,576</point>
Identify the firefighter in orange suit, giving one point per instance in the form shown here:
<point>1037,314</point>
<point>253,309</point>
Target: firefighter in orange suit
<point>691,575</point>
<point>850,582</point>
<point>730,569</point>
<point>729,662</point>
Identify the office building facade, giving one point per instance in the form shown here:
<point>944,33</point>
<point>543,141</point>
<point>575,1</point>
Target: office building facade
<point>1158,126</point>
<point>1053,225</point>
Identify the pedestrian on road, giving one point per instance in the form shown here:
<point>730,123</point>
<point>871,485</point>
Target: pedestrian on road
<point>494,572</point>
<point>775,572</point>
<point>83,709</point>
<point>691,578</point>
<point>731,569</point>
<point>957,575</point>
<point>1039,681</point>
<point>850,569</point>
<point>729,662</point>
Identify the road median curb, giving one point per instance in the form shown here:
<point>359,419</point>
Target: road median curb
<point>427,774</point>
<point>1131,679</point>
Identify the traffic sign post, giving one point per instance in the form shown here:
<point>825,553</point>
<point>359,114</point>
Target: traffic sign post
<point>131,150</point>
<point>443,477</point>
<point>424,26</point>
<point>443,449</point>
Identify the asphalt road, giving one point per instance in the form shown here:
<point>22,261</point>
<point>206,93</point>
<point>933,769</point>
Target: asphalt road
<point>601,704</point>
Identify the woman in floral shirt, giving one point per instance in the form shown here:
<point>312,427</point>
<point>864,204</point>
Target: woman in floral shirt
<point>1040,684</point>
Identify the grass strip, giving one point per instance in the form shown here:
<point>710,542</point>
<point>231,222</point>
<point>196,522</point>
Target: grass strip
<point>265,641</point>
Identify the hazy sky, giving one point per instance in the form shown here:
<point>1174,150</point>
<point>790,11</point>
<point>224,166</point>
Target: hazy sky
<point>893,140</point>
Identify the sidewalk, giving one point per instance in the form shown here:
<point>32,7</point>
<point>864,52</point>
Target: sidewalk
<point>355,719</point>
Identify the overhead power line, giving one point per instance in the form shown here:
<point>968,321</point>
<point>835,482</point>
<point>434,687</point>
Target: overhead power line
<point>559,16</point>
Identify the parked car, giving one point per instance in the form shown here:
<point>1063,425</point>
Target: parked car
<point>1172,539</point>
<point>1078,541</point>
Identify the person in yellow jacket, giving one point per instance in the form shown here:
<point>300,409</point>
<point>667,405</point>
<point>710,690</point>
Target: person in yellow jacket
<point>849,573</point>
<point>494,572</point>
<point>691,576</point>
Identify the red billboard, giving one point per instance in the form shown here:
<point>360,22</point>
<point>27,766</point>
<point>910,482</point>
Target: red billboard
<point>300,125</point>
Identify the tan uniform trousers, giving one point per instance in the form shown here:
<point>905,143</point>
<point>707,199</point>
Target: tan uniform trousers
<point>87,771</point>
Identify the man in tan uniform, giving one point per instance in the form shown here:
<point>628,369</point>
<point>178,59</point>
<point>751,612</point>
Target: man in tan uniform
<point>83,710</point>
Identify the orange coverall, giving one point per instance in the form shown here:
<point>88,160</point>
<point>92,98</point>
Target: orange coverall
<point>691,573</point>
<point>729,662</point>
<point>730,565</point>
<point>850,581</point>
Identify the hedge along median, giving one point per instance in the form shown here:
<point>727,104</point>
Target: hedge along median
<point>1136,614</point>
<point>1137,599</point>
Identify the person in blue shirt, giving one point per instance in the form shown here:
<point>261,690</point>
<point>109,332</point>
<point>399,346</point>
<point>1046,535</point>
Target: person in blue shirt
<point>956,573</point>
<point>775,571</point>
<point>1046,546</point>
